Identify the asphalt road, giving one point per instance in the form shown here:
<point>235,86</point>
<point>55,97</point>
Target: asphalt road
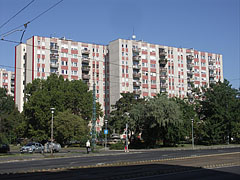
<point>118,165</point>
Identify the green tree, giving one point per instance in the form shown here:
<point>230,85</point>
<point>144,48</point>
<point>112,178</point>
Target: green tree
<point>70,127</point>
<point>10,118</point>
<point>58,93</point>
<point>220,113</point>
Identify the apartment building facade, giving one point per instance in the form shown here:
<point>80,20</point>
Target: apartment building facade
<point>122,66</point>
<point>147,69</point>
<point>41,56</point>
<point>7,79</point>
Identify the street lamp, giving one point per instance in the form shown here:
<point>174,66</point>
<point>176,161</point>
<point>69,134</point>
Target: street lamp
<point>52,111</point>
<point>106,132</point>
<point>192,136</point>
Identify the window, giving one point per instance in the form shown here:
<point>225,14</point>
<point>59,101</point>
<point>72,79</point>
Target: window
<point>74,64</point>
<point>126,70</point>
<point>42,69</point>
<point>126,46</point>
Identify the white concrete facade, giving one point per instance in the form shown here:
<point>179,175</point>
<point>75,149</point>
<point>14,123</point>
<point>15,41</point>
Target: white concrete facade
<point>148,69</point>
<point>7,81</point>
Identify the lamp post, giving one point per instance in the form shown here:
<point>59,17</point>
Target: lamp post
<point>106,121</point>
<point>192,136</point>
<point>52,111</point>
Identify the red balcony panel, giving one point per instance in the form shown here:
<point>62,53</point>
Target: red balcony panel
<point>182,80</point>
<point>145,77</point>
<point>123,75</point>
<point>97,54</point>
<point>144,52</point>
<point>172,71</point>
<point>196,82</point>
<point>202,53</point>
<point>126,66</point>
<point>145,94</point>
<point>153,62</point>
<point>64,59</point>
<point>123,84</point>
<point>97,78</point>
<point>43,56</point>
<point>144,60</point>
<point>127,75</point>
<point>64,67</point>
<point>152,53</point>
<point>123,58</point>
<point>38,74</point>
<point>169,56</point>
<point>196,67</point>
<point>172,57</point>
<point>169,71</point>
<point>38,38</point>
<point>64,50</point>
<point>153,78</point>
<point>203,60</point>
<point>43,65</point>
<point>122,49</point>
<point>144,69</point>
<point>43,47</point>
<point>204,83</point>
<point>93,54</point>
<point>196,60</point>
<point>154,86</point>
<point>145,85</point>
<point>170,95</point>
<point>195,52</point>
<point>181,65</point>
<point>169,64</point>
<point>170,87</point>
<point>38,56</point>
<point>74,60</point>
<point>152,46</point>
<point>188,51</point>
<point>126,58</point>
<point>43,74</point>
<point>38,65</point>
<point>74,68</point>
<point>182,73</point>
<point>204,68</point>
<point>209,54</point>
<point>203,75</point>
<point>172,64</point>
<point>153,70</point>
<point>153,94</point>
<point>196,74</point>
<point>74,77</point>
<point>38,47</point>
<point>181,57</point>
<point>126,49</point>
<point>74,51</point>
<point>127,84</point>
<point>65,76</point>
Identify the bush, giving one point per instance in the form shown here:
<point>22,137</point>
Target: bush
<point>117,146</point>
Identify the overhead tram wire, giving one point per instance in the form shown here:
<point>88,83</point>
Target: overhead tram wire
<point>34,18</point>
<point>16,14</point>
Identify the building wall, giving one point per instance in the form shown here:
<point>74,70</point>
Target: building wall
<point>7,81</point>
<point>161,69</point>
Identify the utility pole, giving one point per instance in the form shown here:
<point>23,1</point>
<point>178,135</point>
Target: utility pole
<point>52,111</point>
<point>192,136</point>
<point>94,118</point>
<point>126,137</point>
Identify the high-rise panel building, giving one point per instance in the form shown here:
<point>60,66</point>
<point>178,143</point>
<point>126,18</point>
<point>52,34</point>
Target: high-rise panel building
<point>122,66</point>
<point>7,81</point>
<point>147,69</point>
<point>41,56</point>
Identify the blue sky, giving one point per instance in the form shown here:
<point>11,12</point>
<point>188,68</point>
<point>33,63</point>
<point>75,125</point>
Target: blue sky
<point>206,25</point>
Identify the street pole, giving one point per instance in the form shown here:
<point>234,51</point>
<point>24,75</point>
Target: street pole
<point>127,137</point>
<point>52,111</point>
<point>192,136</point>
<point>106,134</point>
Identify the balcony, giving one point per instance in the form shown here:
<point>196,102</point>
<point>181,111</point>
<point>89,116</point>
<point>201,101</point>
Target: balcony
<point>212,68</point>
<point>163,86</point>
<point>212,75</point>
<point>136,50</point>
<point>162,69</point>
<point>85,51</point>
<point>189,57</point>
<point>136,58</point>
<point>136,66</point>
<point>85,68</point>
<point>54,47</point>
<point>163,77</point>
<point>163,62</point>
<point>136,75</point>
<point>189,65</point>
<point>137,91</point>
<point>85,59</point>
<point>210,61</point>
<point>136,83</point>
<point>162,53</point>
<point>54,56</point>
<point>54,65</point>
<point>86,76</point>
<point>190,73</point>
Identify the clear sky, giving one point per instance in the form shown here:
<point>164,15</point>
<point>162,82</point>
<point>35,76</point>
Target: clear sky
<point>205,25</point>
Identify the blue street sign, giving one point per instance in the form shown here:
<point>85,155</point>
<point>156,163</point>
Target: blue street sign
<point>105,131</point>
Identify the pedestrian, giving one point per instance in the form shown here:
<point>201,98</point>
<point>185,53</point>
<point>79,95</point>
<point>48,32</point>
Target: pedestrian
<point>88,146</point>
